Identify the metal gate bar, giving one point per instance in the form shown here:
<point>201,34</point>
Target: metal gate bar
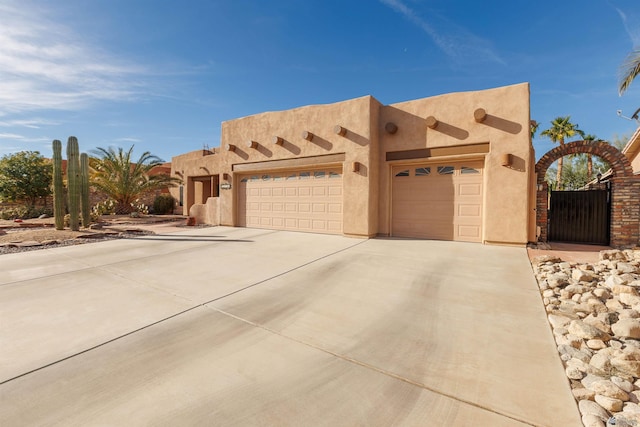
<point>579,216</point>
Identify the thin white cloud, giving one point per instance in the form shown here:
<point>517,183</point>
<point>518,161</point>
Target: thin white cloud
<point>22,138</point>
<point>631,26</point>
<point>28,123</point>
<point>459,45</point>
<point>11,136</point>
<point>45,65</point>
<point>128,139</point>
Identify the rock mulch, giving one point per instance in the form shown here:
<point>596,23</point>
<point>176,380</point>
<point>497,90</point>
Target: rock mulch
<point>594,312</point>
<point>23,245</point>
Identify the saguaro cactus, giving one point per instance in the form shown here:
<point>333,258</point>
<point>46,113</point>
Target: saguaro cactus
<point>84,190</point>
<point>58,188</point>
<point>73,182</point>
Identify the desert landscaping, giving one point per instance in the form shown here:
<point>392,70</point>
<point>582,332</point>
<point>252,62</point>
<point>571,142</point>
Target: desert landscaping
<point>33,234</point>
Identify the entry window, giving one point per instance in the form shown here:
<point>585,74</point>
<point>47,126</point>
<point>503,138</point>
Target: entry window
<point>266,177</point>
<point>465,170</point>
<point>245,179</point>
<point>423,171</point>
<point>334,175</point>
<point>253,179</point>
<point>292,176</point>
<point>319,174</point>
<point>403,173</point>
<point>305,175</point>
<point>445,170</point>
<point>278,178</point>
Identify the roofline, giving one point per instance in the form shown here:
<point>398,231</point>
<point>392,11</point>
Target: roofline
<point>633,145</point>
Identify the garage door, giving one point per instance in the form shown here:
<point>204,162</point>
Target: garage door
<point>304,200</point>
<point>441,201</point>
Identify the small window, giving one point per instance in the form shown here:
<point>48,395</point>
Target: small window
<point>305,175</point>
<point>334,175</point>
<point>403,173</point>
<point>278,178</point>
<point>319,174</point>
<point>254,179</point>
<point>465,169</point>
<point>292,176</point>
<point>423,171</point>
<point>445,170</point>
<point>266,177</point>
<point>245,179</point>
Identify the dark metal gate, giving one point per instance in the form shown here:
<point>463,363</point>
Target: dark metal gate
<point>580,216</point>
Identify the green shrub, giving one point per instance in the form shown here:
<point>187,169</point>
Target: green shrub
<point>24,212</point>
<point>163,204</point>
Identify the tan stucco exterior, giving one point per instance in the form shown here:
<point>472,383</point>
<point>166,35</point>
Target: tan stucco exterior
<point>632,151</point>
<point>500,138</point>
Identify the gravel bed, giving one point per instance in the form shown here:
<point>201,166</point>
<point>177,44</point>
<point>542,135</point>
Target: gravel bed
<point>594,314</point>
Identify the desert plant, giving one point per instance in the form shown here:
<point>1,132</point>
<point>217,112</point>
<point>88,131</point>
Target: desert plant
<point>561,128</point>
<point>58,186</point>
<point>124,180</point>
<point>163,204</point>
<point>84,189</point>
<point>106,207</point>
<point>73,182</point>
<point>25,177</point>
<point>24,212</point>
<point>629,70</point>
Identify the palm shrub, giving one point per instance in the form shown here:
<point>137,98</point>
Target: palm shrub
<point>124,180</point>
<point>629,70</point>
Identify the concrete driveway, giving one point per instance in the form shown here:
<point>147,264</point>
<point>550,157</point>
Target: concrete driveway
<point>233,326</point>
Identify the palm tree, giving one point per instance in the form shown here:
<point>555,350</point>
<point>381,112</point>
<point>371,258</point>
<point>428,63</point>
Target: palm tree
<point>629,69</point>
<point>533,127</point>
<point>125,181</point>
<point>590,138</point>
<point>561,128</point>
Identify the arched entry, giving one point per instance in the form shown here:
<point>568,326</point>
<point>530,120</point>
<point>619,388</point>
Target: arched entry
<point>625,191</point>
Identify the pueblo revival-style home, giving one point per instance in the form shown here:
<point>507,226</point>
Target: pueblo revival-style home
<point>457,167</point>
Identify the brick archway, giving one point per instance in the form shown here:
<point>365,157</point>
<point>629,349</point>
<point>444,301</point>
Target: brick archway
<point>619,163</point>
<point>625,190</point>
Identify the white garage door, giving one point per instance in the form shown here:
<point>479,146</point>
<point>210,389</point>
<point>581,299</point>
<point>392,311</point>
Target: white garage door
<point>441,201</point>
<point>304,200</point>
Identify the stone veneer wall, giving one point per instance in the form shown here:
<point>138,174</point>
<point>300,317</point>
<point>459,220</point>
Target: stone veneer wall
<point>625,191</point>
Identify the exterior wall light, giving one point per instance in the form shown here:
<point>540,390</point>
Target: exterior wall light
<point>307,135</point>
<point>431,122</point>
<point>356,166</point>
<point>226,176</point>
<point>480,115</point>
<point>342,131</point>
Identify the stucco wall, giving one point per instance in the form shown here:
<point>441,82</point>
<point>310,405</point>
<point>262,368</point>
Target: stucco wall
<point>507,208</point>
<point>354,115</point>
<point>508,205</point>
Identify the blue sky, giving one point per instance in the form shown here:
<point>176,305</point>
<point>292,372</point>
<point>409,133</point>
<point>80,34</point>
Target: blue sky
<point>163,74</point>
